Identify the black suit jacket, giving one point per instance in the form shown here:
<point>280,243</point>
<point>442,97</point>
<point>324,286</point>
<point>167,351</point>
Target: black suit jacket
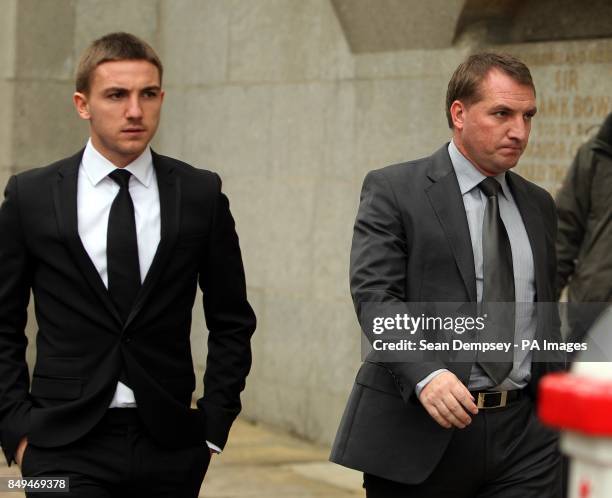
<point>82,345</point>
<point>411,243</point>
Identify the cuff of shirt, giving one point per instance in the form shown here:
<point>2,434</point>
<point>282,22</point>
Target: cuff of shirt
<point>421,385</point>
<point>213,447</point>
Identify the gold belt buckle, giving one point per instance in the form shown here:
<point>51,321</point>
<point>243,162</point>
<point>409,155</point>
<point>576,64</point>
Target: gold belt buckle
<point>480,403</point>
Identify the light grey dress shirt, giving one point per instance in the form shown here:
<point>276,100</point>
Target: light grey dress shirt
<point>474,202</point>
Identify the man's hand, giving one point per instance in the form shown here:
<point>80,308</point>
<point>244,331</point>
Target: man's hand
<point>448,401</point>
<point>20,449</point>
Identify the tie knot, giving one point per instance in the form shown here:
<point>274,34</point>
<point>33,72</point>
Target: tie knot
<point>121,177</point>
<point>490,186</point>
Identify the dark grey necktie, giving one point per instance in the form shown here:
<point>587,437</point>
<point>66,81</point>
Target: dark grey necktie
<point>122,247</point>
<point>498,282</point>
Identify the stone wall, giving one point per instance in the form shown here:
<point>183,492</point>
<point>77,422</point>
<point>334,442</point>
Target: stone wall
<point>269,94</point>
<point>7,77</point>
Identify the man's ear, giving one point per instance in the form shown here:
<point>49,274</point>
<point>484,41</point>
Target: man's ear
<point>81,104</point>
<point>457,112</point>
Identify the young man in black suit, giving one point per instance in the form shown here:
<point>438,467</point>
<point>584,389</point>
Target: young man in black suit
<point>457,227</point>
<point>112,242</point>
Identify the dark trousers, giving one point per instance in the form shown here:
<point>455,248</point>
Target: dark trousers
<point>118,458</point>
<point>503,453</point>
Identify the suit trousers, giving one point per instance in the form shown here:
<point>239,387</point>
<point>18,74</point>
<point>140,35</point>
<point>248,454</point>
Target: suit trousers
<point>119,459</point>
<point>503,453</point>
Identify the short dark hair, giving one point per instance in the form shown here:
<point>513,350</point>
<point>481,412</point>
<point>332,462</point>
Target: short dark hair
<point>465,83</point>
<point>113,47</point>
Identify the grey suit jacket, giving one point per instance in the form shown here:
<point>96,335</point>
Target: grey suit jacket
<point>411,242</point>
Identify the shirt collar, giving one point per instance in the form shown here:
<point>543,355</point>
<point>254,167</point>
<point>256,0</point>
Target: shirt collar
<point>97,167</point>
<point>467,174</point>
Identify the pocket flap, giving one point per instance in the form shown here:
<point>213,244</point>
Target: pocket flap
<point>377,377</point>
<point>46,387</point>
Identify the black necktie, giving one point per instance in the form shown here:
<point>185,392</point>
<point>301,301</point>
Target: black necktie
<point>498,281</point>
<point>122,247</point>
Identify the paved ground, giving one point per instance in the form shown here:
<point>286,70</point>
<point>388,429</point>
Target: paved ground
<point>260,462</point>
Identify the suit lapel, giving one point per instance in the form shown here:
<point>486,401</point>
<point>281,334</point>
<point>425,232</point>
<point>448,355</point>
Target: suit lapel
<point>65,201</point>
<point>169,203</point>
<point>532,219</point>
<point>445,198</point>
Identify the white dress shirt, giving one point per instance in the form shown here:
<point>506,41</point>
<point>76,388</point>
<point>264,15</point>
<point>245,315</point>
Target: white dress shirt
<point>95,195</point>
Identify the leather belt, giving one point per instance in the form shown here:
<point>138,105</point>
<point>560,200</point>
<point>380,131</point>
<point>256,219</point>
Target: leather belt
<point>121,416</point>
<point>496,399</point>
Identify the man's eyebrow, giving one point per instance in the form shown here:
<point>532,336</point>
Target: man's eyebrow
<point>122,89</point>
<point>115,89</point>
<point>502,107</point>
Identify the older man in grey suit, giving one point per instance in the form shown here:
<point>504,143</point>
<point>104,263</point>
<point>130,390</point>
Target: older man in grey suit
<point>457,226</point>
